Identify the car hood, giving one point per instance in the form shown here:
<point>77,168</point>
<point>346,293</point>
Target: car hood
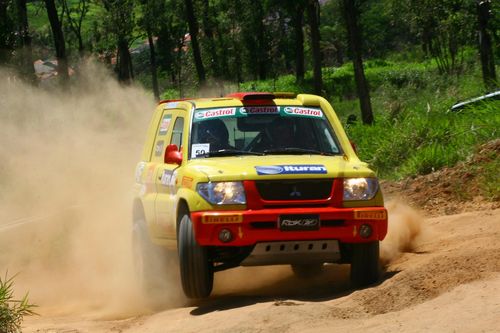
<point>279,167</point>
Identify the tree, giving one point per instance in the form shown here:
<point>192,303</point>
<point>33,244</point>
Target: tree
<point>59,44</point>
<point>313,16</point>
<point>485,44</point>
<point>7,31</point>
<point>120,22</point>
<point>76,16</point>
<point>444,28</point>
<point>193,32</point>
<point>351,13</point>
<point>295,12</point>
<point>149,20</point>
<point>27,68</point>
<point>208,29</point>
<point>298,23</point>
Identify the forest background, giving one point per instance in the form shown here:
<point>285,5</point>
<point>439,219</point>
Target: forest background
<point>394,65</point>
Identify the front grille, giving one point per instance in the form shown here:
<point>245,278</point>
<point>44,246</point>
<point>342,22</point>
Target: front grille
<point>293,190</point>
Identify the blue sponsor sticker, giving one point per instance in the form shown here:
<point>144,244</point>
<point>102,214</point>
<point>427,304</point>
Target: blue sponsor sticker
<point>291,169</point>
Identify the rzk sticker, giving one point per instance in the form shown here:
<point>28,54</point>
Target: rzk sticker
<point>302,169</point>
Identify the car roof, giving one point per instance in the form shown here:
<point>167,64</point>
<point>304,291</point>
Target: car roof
<point>241,99</point>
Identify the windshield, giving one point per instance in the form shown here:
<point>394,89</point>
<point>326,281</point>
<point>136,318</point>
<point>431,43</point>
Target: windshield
<point>261,130</point>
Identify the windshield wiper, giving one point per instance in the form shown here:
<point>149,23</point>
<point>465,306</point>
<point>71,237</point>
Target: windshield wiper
<point>230,152</point>
<point>298,151</point>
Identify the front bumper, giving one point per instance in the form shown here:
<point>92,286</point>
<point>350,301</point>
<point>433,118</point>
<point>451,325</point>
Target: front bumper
<point>249,227</point>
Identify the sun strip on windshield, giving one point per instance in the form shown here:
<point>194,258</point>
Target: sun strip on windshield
<point>248,111</point>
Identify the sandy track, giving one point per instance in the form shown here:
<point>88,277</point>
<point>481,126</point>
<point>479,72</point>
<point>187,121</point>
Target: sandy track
<point>80,148</point>
<point>449,283</point>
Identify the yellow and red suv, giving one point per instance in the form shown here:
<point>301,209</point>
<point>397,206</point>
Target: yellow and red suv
<point>254,179</point>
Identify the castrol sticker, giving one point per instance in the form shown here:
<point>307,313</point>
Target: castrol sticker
<point>260,110</point>
<point>300,111</point>
<point>215,113</point>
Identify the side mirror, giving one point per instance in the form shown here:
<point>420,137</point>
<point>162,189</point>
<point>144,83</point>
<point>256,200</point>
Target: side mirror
<point>173,155</point>
<point>353,145</point>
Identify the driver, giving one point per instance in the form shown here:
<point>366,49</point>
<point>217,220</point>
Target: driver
<point>215,133</point>
<point>279,134</point>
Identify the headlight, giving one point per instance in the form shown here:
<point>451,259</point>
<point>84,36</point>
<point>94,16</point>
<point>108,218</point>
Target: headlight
<point>360,188</point>
<point>222,193</point>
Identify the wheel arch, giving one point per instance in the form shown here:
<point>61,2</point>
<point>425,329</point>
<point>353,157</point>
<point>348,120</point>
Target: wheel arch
<point>182,209</point>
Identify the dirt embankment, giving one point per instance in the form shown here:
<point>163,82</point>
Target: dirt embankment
<point>469,186</point>
<point>450,282</point>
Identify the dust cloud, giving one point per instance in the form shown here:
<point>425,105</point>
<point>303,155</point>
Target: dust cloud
<point>406,231</point>
<point>66,174</point>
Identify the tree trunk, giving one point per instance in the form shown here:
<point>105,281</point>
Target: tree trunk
<point>193,32</point>
<point>262,46</point>
<point>351,13</point>
<point>208,29</point>
<point>156,90</point>
<point>313,15</point>
<point>299,44</point>
<point>27,68</point>
<point>485,45</point>
<point>223,56</point>
<point>124,62</point>
<point>55,24</point>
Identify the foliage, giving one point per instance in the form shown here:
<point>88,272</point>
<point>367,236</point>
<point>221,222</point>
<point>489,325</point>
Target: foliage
<point>12,311</point>
<point>423,135</point>
<point>414,132</point>
<point>489,179</point>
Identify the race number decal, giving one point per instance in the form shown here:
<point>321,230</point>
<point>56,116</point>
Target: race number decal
<point>199,149</point>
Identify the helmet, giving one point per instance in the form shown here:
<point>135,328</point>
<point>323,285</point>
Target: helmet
<point>213,131</point>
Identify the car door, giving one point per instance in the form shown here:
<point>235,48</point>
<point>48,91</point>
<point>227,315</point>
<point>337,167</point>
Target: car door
<point>165,204</point>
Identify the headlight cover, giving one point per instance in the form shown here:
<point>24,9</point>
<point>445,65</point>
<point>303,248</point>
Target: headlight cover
<point>360,188</point>
<point>222,193</point>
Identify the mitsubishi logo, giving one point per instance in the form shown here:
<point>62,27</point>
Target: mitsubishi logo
<point>295,192</point>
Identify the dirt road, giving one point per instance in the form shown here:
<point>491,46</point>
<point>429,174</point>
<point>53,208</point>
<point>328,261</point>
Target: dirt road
<point>450,282</point>
<point>67,167</point>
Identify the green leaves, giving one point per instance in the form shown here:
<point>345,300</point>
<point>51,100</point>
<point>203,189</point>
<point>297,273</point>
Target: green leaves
<point>12,311</point>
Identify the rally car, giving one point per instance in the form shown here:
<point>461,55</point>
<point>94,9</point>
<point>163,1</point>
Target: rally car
<point>254,179</point>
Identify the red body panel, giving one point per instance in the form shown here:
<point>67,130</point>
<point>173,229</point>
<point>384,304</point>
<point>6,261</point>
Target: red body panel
<point>245,232</point>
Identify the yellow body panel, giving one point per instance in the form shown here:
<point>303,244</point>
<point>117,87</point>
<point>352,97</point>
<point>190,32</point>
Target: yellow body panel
<point>160,186</point>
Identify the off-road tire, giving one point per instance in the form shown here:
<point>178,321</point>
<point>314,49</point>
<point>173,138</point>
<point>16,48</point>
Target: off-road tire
<point>197,273</point>
<point>150,260</point>
<point>365,267</point>
<point>307,271</point>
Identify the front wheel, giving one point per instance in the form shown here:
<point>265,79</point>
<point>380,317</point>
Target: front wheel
<point>365,264</point>
<point>197,273</point>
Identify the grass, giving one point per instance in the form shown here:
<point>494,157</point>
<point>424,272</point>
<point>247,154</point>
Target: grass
<point>414,133</point>
<point>12,311</point>
<point>489,181</point>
